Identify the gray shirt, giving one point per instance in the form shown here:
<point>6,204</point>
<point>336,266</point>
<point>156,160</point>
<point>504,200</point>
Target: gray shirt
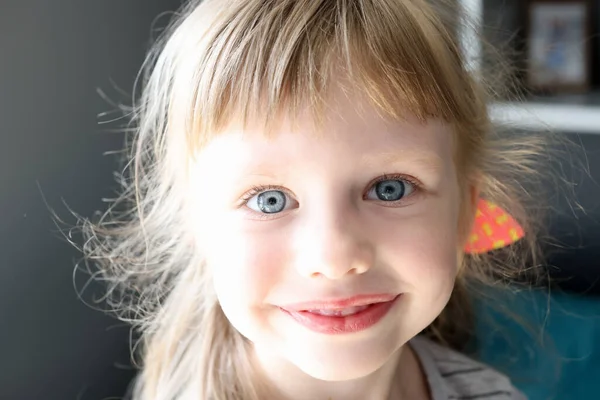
<point>454,376</point>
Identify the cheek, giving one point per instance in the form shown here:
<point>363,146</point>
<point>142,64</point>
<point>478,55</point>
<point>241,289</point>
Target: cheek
<point>422,254</point>
<point>424,258</point>
<point>245,267</point>
<point>422,250</point>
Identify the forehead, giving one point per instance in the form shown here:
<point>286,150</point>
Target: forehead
<point>351,129</point>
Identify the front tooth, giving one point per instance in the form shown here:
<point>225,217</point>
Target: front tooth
<point>349,311</point>
<point>327,313</point>
<point>340,312</point>
<point>353,310</point>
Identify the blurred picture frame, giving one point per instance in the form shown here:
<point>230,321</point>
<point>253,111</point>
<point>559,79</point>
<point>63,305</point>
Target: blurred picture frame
<point>558,45</point>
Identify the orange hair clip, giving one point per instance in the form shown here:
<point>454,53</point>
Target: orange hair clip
<point>493,229</point>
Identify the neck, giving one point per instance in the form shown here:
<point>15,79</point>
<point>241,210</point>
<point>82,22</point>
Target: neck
<point>399,378</point>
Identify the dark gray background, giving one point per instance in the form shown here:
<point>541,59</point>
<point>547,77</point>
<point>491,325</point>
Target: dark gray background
<point>53,57</point>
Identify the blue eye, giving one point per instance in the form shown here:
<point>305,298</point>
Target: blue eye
<point>268,202</point>
<point>390,190</point>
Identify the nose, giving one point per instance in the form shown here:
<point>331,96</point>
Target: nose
<point>332,246</point>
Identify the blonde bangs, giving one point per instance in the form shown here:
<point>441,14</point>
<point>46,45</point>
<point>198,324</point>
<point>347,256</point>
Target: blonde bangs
<point>262,60</point>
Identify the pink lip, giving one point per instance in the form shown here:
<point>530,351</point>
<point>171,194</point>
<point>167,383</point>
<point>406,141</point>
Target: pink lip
<point>378,307</point>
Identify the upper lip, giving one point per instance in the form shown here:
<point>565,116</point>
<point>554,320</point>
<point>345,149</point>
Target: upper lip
<point>336,304</point>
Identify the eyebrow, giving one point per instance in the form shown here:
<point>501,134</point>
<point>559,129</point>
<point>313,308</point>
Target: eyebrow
<point>426,160</point>
<point>258,173</point>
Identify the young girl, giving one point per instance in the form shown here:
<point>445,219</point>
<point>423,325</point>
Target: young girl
<point>307,203</point>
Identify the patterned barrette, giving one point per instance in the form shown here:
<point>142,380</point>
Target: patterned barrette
<point>493,229</point>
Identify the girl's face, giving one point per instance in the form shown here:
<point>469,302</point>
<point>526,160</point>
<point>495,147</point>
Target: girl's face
<point>360,219</point>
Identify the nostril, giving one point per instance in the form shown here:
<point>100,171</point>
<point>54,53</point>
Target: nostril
<point>359,267</point>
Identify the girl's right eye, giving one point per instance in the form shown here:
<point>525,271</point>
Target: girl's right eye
<point>268,202</point>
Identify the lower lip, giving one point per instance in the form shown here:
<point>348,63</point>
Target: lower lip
<point>332,325</point>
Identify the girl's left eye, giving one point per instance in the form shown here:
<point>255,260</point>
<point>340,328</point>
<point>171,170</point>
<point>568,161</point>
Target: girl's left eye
<point>390,190</point>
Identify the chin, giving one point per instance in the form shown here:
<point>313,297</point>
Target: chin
<point>342,361</point>
<point>337,373</point>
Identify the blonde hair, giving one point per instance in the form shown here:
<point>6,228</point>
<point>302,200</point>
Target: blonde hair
<point>257,59</point>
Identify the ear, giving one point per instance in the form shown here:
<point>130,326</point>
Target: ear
<point>469,205</point>
<point>468,211</point>
<point>474,193</point>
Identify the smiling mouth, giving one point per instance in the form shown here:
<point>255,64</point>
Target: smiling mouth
<point>345,316</point>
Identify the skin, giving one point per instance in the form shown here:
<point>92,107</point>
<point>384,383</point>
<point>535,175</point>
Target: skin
<point>335,238</point>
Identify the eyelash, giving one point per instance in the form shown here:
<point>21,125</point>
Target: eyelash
<point>417,185</point>
<point>396,177</point>
<point>254,190</point>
